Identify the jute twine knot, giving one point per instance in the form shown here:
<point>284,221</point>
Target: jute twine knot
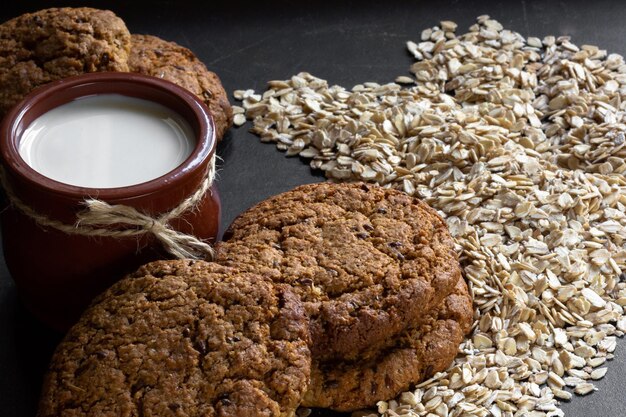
<point>100,218</point>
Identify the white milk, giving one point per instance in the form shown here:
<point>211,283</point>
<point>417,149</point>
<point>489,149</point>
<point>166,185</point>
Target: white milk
<point>107,141</point>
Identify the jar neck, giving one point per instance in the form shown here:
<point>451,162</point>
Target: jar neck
<point>61,206</point>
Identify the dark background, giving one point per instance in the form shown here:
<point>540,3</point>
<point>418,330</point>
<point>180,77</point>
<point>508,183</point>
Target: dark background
<point>346,43</point>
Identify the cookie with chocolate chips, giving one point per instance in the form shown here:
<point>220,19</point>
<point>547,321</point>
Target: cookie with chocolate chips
<point>366,261</point>
<point>183,338</point>
<point>36,48</point>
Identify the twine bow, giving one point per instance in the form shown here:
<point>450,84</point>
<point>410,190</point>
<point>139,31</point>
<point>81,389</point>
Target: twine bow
<point>100,218</point>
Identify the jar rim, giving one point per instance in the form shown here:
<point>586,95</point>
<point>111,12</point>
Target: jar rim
<point>57,93</point>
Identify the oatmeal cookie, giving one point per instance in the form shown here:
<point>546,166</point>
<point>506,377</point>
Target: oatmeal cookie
<point>366,261</point>
<point>415,355</point>
<point>153,56</point>
<point>183,338</point>
<point>36,48</point>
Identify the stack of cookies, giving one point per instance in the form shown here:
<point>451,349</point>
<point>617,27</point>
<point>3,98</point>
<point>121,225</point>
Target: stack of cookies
<point>329,295</point>
<point>48,45</point>
<point>379,280</point>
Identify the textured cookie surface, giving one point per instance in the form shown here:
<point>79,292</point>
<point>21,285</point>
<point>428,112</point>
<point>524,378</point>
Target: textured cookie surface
<point>154,56</point>
<point>36,48</point>
<point>183,338</point>
<point>417,354</point>
<point>366,261</point>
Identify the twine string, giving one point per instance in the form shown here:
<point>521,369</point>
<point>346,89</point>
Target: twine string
<point>100,218</point>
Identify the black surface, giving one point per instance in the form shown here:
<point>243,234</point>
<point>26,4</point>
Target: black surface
<point>346,43</point>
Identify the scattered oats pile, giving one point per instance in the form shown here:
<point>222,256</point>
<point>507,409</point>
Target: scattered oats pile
<point>520,145</point>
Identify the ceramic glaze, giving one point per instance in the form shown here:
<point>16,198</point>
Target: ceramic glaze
<point>107,141</point>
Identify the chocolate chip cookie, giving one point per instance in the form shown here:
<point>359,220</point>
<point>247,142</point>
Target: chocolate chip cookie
<point>366,261</point>
<point>415,355</point>
<point>183,338</point>
<point>153,56</point>
<point>36,48</point>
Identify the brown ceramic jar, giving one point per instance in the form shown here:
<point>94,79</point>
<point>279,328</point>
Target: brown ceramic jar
<point>58,274</point>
